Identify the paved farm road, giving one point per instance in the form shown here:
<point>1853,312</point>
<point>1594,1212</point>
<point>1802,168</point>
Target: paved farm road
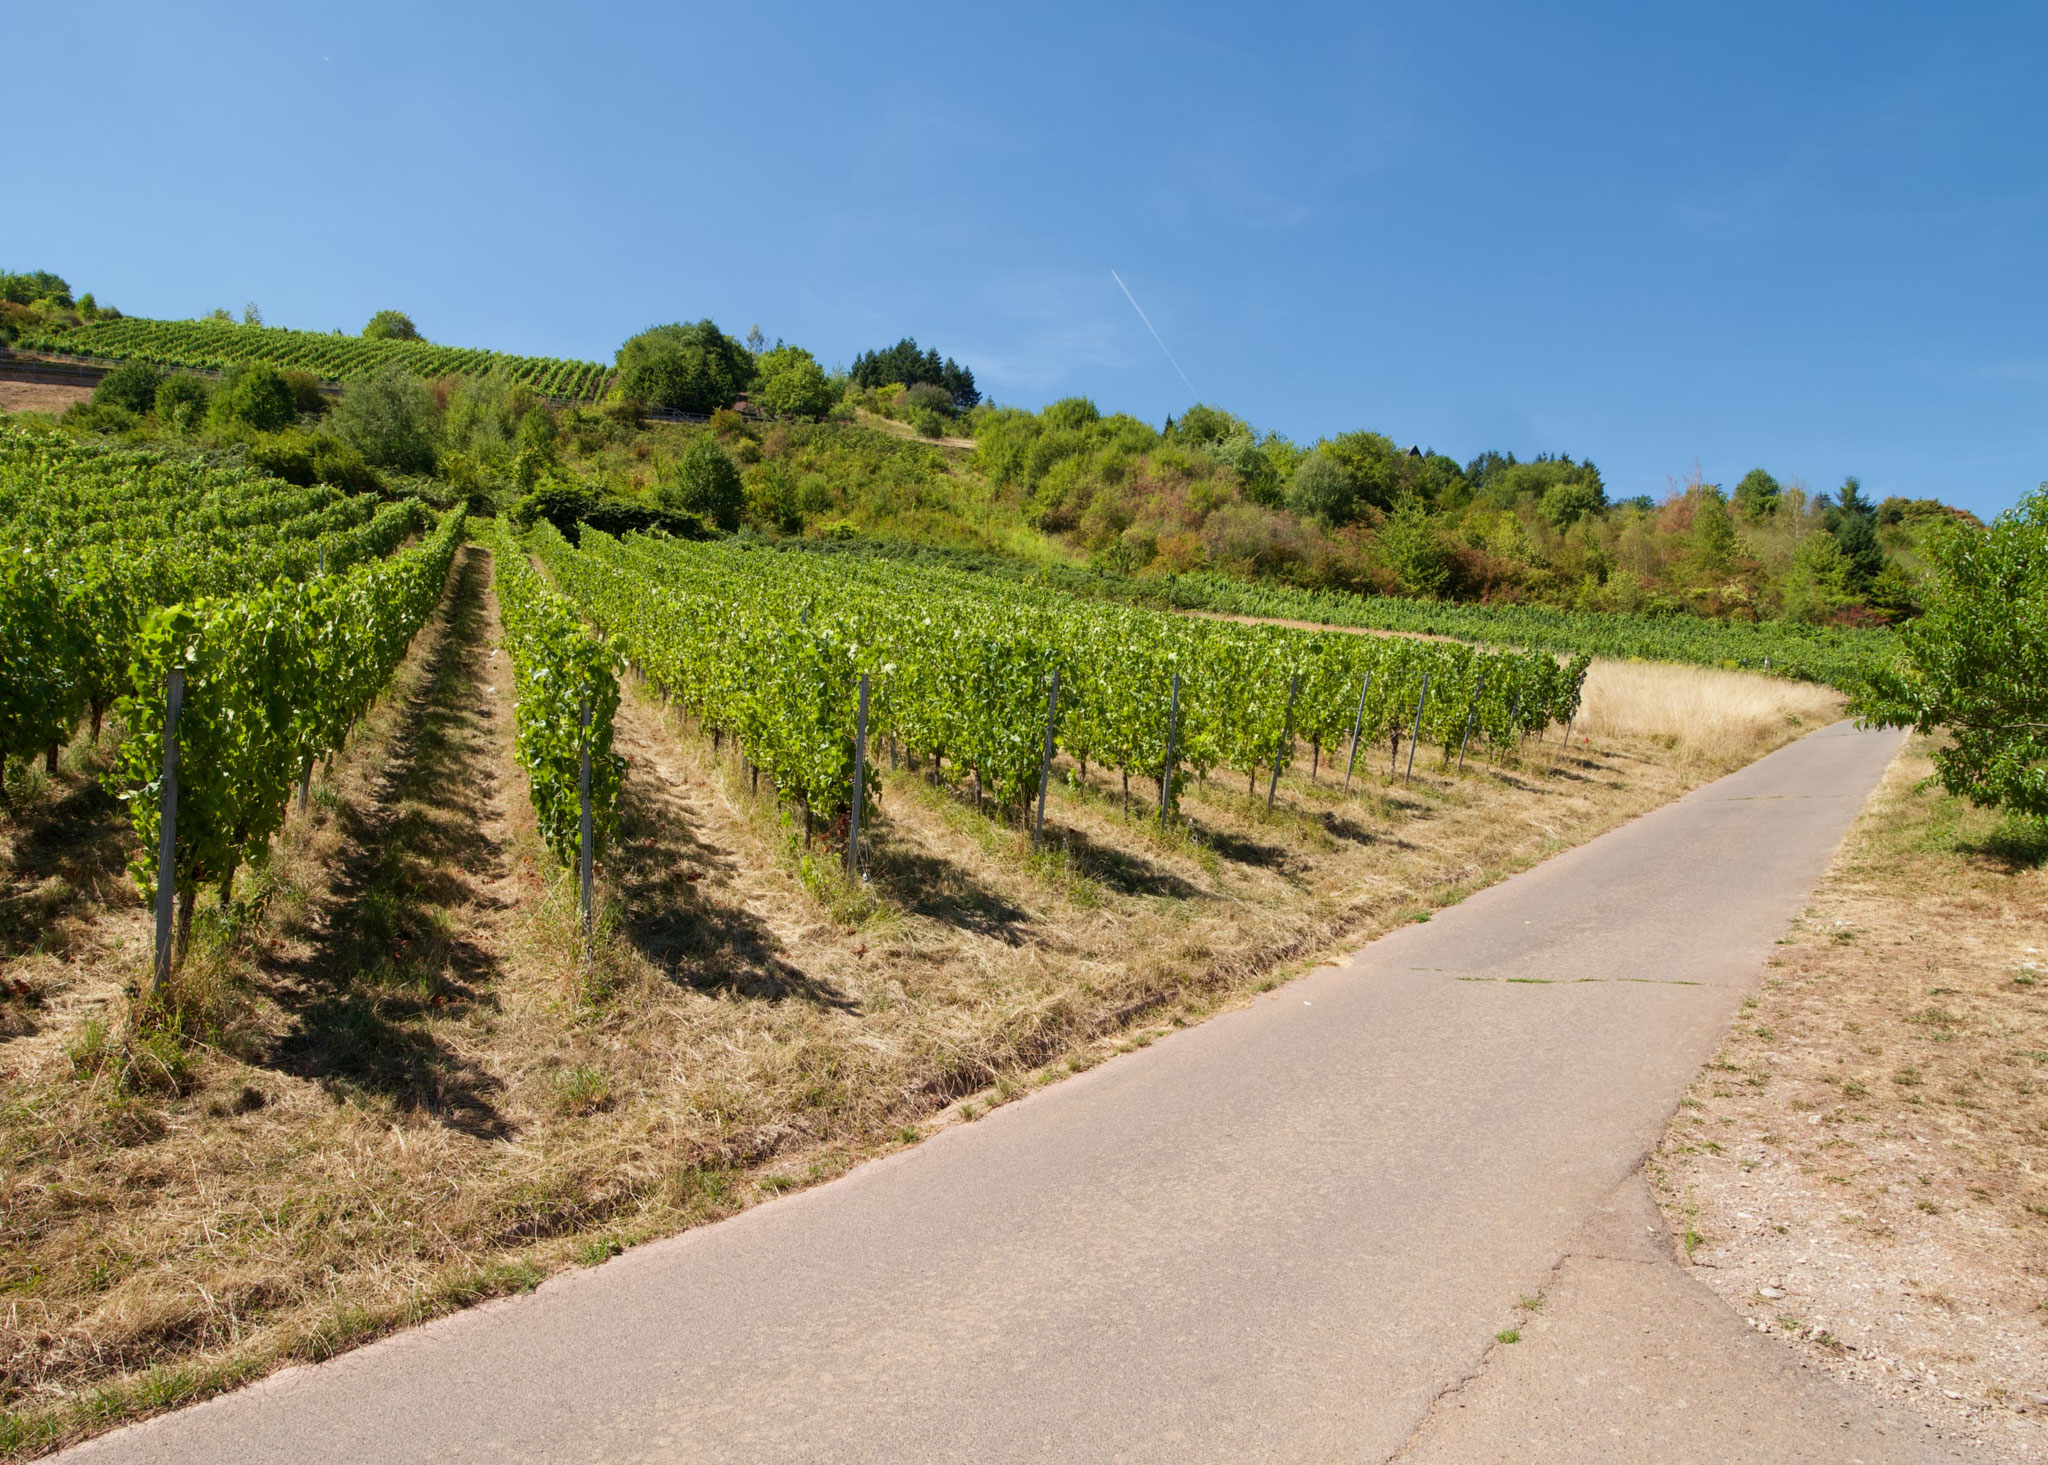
<point>1282,1235</point>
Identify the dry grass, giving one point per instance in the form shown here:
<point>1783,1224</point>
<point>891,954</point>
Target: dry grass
<point>1711,717</point>
<point>400,1091</point>
<point>48,397</point>
<point>1864,1162</point>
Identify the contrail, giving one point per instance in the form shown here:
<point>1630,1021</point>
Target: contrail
<point>1149,326</point>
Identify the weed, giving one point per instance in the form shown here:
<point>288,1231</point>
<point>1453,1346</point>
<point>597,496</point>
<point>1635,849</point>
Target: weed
<point>1508,1335</point>
<point>584,1089</point>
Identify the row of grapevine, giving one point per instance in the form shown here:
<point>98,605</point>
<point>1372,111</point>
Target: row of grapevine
<point>273,680</point>
<point>770,649</point>
<point>95,540</point>
<point>1836,655</point>
<point>211,345</point>
<point>567,697</point>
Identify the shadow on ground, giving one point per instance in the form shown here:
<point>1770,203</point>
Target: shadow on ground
<point>679,928</point>
<point>381,955</point>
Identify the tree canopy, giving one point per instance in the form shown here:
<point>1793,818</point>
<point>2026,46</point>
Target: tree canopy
<point>391,325</point>
<point>1975,664</point>
<point>904,363</point>
<point>790,383</point>
<point>685,368</point>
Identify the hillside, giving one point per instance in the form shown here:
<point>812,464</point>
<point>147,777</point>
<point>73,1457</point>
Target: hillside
<point>1185,514</point>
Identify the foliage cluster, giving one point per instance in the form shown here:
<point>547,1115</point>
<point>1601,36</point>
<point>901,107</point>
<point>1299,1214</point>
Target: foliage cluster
<point>273,680</point>
<point>568,696</point>
<point>1975,664</point>
<point>904,365</point>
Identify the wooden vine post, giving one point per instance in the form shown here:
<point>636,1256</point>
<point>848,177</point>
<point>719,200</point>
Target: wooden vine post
<point>1409,776</point>
<point>1357,727</point>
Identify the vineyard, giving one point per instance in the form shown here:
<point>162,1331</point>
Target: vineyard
<point>285,609</point>
<point>211,345</point>
<point>383,1067</point>
<point>771,650</point>
<point>1836,655</point>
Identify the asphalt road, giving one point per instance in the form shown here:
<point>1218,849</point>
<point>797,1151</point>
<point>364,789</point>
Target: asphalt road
<point>1284,1235</point>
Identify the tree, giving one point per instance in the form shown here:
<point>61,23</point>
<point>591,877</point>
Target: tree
<point>790,383</point>
<point>1864,556</point>
<point>1713,531</point>
<point>391,325</point>
<point>1409,546</point>
<point>534,454</point>
<point>1322,490</point>
<point>1757,494</point>
<point>1976,663</point>
<point>131,385</point>
<point>678,368</point>
<point>251,315</point>
<point>1569,500</point>
<point>706,483</point>
<point>1373,464</point>
<point>33,285</point>
<point>904,363</point>
<point>255,394</point>
<point>390,419</point>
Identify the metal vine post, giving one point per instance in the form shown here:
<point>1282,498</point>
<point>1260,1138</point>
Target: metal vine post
<point>1357,727</point>
<point>167,837</point>
<point>1166,776</point>
<point>1286,725</point>
<point>1409,776</point>
<point>1052,712</point>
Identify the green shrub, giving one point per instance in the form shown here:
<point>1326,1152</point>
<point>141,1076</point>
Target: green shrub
<point>104,417</point>
<point>705,482</point>
<point>255,394</point>
<point>181,401</point>
<point>310,458</point>
<point>33,285</point>
<point>390,420</point>
<point>568,506</point>
<point>131,385</point>
<point>1322,490</point>
<point>1975,666</point>
<point>306,393</point>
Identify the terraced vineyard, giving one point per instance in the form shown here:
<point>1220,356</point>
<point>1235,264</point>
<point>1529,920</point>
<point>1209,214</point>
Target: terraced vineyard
<point>212,345</point>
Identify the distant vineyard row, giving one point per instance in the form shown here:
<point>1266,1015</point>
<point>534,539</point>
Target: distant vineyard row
<point>1838,655</point>
<point>215,345</point>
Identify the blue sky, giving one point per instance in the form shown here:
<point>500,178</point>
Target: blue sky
<point>1803,236</point>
